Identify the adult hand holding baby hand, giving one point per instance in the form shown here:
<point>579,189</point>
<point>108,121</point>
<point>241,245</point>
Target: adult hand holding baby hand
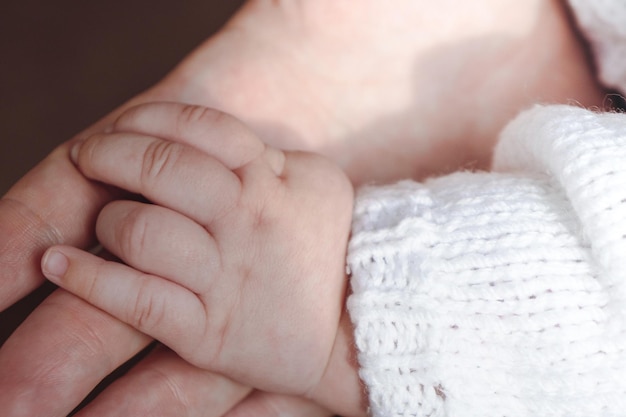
<point>240,268</point>
<point>383,111</point>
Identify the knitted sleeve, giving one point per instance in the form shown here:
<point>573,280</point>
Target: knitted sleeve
<point>603,22</point>
<point>503,293</point>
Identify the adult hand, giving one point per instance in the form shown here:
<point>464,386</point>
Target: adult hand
<point>387,92</point>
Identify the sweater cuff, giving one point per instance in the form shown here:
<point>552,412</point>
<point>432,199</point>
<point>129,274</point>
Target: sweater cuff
<point>503,293</point>
<point>604,24</point>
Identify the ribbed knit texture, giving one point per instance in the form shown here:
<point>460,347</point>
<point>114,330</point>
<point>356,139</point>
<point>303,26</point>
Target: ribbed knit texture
<point>604,25</point>
<point>503,293</point>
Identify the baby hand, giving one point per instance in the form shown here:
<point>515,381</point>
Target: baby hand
<point>238,266</point>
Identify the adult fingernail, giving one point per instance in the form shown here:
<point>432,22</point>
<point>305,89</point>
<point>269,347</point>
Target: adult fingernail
<point>74,151</point>
<point>54,264</point>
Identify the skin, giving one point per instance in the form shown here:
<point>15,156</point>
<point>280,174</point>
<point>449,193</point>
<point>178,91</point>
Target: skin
<point>381,112</point>
<point>240,265</point>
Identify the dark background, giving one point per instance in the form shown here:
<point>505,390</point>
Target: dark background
<point>66,63</point>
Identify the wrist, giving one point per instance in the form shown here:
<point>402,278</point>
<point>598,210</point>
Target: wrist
<point>340,389</point>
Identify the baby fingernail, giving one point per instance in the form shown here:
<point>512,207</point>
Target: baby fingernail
<point>54,264</point>
<point>74,151</point>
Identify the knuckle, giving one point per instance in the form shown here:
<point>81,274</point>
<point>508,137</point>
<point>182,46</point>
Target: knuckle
<point>133,234</point>
<point>86,340</point>
<point>17,238</point>
<point>148,309</point>
<point>82,340</point>
<point>172,395</point>
<point>88,286</point>
<point>158,157</point>
<point>192,115</point>
<point>194,120</point>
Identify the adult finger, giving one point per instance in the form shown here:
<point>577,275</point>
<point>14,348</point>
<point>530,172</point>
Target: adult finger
<point>263,404</point>
<point>159,241</point>
<point>59,354</point>
<point>53,203</point>
<point>163,384</point>
<point>168,173</point>
<point>211,131</point>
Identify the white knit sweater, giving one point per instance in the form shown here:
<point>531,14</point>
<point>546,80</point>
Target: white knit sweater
<point>604,25</point>
<point>502,293</point>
